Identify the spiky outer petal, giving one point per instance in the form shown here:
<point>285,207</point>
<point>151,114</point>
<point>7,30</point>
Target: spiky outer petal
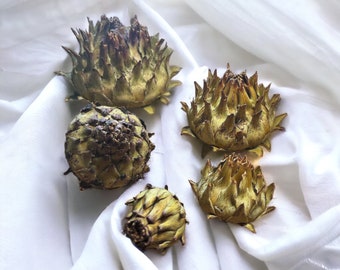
<point>107,147</point>
<point>156,219</point>
<point>120,65</point>
<point>232,113</point>
<point>235,191</point>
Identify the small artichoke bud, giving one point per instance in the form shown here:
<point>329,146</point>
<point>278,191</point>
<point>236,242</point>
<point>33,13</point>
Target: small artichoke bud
<point>157,219</point>
<point>107,147</point>
<point>234,191</point>
<point>120,65</point>
<point>232,113</point>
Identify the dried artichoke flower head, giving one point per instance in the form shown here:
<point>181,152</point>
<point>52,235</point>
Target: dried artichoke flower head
<point>235,191</point>
<point>107,147</point>
<point>232,113</point>
<point>156,220</point>
<point>120,65</point>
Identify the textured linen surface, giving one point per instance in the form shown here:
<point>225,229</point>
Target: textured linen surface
<point>47,223</point>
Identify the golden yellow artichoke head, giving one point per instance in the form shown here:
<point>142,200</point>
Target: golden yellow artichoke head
<point>156,219</point>
<point>234,191</point>
<point>232,113</point>
<point>120,65</point>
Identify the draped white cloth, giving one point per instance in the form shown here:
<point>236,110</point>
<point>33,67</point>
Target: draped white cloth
<point>46,222</point>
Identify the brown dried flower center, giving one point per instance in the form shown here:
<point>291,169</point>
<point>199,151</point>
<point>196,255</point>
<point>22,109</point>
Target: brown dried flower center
<point>138,233</point>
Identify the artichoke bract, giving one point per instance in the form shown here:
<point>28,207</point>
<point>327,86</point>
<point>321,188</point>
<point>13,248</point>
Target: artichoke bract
<point>232,113</point>
<point>107,147</point>
<point>156,220</point>
<point>235,191</point>
<point>120,65</point>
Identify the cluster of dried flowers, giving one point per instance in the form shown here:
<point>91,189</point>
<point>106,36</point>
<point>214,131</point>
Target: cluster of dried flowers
<point>107,146</point>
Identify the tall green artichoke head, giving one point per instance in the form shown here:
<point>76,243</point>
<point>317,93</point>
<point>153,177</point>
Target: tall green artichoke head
<point>234,191</point>
<point>232,113</point>
<point>156,220</point>
<point>120,65</point>
<point>107,147</point>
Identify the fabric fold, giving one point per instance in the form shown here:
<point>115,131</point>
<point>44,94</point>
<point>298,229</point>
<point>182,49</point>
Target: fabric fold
<point>33,195</point>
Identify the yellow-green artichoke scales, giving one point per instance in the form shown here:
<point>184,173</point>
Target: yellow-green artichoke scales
<point>233,113</point>
<point>121,65</point>
<point>156,220</point>
<point>234,191</point>
<point>107,147</point>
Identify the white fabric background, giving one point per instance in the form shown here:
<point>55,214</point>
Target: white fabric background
<point>47,223</point>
